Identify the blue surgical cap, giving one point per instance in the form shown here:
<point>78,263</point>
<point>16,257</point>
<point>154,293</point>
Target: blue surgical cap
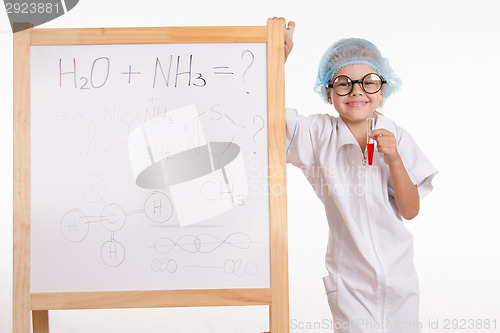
<point>352,51</point>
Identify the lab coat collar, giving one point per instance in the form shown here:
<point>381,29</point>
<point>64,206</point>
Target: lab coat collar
<point>345,137</point>
<point>386,123</point>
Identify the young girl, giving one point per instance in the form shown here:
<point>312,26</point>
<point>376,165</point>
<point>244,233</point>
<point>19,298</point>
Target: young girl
<point>371,285</point>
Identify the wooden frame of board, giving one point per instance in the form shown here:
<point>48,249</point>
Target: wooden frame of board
<point>39,304</point>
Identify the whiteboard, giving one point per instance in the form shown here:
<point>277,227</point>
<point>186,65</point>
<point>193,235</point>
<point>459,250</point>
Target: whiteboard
<point>149,167</point>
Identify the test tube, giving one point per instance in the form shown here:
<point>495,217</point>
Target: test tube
<point>370,143</point>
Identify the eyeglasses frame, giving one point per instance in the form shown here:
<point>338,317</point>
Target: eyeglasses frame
<point>330,85</point>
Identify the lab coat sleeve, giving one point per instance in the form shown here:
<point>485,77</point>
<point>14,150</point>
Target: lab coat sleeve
<point>419,168</point>
<point>302,135</point>
<point>299,150</point>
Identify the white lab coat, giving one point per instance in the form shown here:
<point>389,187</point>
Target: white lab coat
<point>372,284</point>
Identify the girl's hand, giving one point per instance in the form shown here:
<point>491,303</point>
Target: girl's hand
<point>288,35</point>
<point>289,38</point>
<point>386,144</point>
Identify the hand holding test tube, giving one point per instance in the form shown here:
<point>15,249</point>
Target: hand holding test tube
<point>386,143</point>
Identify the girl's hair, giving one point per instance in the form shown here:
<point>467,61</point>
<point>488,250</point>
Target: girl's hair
<point>352,51</point>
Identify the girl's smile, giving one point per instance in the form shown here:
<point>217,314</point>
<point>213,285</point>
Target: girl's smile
<point>357,104</point>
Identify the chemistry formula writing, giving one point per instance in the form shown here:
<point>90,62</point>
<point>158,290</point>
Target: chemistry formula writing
<point>170,72</point>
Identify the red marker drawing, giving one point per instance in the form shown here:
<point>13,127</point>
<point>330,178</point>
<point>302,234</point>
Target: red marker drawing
<point>370,143</point>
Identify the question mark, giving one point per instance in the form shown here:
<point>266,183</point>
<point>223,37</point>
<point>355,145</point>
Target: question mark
<point>260,129</point>
<point>250,65</point>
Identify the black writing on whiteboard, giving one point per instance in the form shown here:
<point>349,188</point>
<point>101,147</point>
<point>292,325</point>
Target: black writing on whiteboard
<point>183,74</point>
<point>170,71</point>
<point>97,77</point>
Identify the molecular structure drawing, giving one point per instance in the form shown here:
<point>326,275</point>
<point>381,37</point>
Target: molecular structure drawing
<point>204,243</point>
<point>75,224</point>
<point>97,127</point>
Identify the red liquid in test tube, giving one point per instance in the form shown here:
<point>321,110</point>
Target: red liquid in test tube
<point>369,150</point>
<point>370,143</point>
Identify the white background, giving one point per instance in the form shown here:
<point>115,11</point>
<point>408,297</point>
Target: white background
<point>447,54</point>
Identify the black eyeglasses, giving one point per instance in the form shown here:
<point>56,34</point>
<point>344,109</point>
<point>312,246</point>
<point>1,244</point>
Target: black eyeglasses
<point>342,85</point>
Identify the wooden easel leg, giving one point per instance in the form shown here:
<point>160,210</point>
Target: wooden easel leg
<point>279,309</point>
<point>41,321</point>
